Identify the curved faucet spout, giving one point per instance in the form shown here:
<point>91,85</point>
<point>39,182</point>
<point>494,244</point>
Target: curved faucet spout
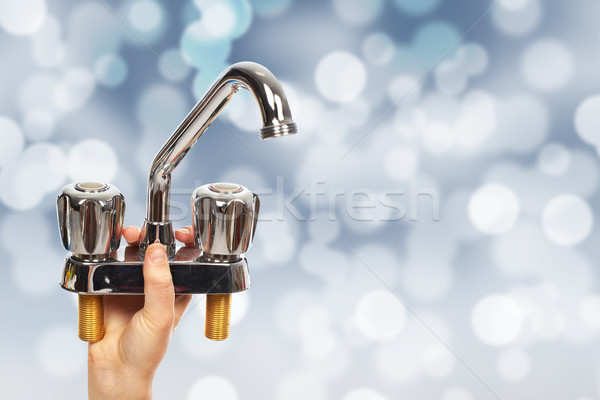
<point>277,121</point>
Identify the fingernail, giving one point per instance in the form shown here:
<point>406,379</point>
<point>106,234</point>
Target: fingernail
<point>184,230</point>
<point>157,254</point>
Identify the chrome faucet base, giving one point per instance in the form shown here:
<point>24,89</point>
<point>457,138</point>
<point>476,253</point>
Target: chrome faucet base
<point>122,273</point>
<point>161,232</point>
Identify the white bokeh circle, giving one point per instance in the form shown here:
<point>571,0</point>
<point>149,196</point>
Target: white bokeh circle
<point>567,219</point>
<point>493,209</point>
<point>340,77</point>
<point>22,17</point>
<point>497,320</point>
<point>547,65</point>
<point>380,315</point>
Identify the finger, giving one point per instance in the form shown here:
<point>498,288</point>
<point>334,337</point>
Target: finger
<point>182,301</point>
<point>158,311</point>
<point>185,235</point>
<point>132,235</point>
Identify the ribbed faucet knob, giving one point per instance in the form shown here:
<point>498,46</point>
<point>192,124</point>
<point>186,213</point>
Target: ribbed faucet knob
<point>224,219</point>
<point>90,218</point>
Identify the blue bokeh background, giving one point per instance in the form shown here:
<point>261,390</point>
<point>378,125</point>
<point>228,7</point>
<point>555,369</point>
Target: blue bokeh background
<point>438,240</point>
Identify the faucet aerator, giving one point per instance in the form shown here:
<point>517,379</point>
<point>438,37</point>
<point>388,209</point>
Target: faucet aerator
<point>273,131</point>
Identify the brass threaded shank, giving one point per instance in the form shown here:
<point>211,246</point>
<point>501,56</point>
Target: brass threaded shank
<point>218,315</point>
<point>91,317</point>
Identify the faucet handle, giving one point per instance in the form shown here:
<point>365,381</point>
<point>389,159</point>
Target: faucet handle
<point>224,219</point>
<point>90,218</point>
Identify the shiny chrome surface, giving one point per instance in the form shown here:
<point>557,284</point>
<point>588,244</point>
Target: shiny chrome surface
<point>90,218</point>
<point>277,121</point>
<point>224,219</point>
<point>122,273</point>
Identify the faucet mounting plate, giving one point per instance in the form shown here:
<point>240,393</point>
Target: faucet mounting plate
<point>122,273</point>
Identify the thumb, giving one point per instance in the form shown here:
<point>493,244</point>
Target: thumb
<point>159,302</point>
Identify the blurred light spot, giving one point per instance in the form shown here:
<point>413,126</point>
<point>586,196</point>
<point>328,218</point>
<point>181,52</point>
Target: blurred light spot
<point>378,48</point>
<point>22,17</point>
<point>567,219</point>
<point>518,21</point>
<point>357,12</point>
<point>93,160</point>
<point>300,386</point>
<point>213,387</point>
<point>554,159</point>
<point>218,20</point>
<point>110,70</point>
<point>473,58</point>
<point>172,66</point>
<point>433,41</point>
<point>319,260</point>
<point>74,89</point>
<point>404,89</point>
<point>400,163</point>
<point>587,120</point>
<point>12,141</point>
<point>497,320</point>
<point>547,65</point>
<point>437,361</point>
<point>514,4</point>
<point>340,77</point>
<point>364,394</point>
<point>589,311</point>
<point>456,394</point>
<point>380,315</point>
<point>493,209</point>
<point>228,19</point>
<point>416,7</point>
<point>271,8</point>
<point>38,124</point>
<point>202,51</point>
<point>60,353</point>
<point>513,365</point>
<point>145,15</point>
<point>40,169</point>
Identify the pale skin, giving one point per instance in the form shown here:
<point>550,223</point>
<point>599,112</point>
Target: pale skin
<point>137,328</point>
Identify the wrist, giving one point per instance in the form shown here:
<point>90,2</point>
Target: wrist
<point>107,384</point>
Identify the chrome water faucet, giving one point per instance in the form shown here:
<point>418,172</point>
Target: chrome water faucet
<point>90,217</point>
<point>277,121</point>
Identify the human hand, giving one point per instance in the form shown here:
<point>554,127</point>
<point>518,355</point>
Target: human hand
<point>137,328</point>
